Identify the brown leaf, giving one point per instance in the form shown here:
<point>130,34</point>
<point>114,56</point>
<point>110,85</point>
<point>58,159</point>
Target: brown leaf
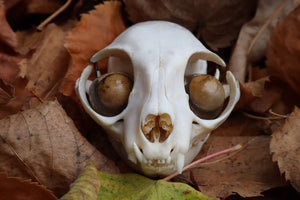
<point>95,31</point>
<point>43,144</point>
<point>216,22</point>
<point>13,85</point>
<point>283,55</point>
<point>16,189</point>
<point>285,147</point>
<point>259,96</point>
<point>252,42</point>
<point>247,172</point>
<point>7,36</point>
<point>42,7</point>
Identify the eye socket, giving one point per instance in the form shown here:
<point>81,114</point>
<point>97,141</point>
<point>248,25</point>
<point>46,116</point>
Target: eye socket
<point>207,96</point>
<point>109,93</point>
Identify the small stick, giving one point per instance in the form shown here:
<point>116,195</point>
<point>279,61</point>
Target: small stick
<point>259,117</point>
<point>37,96</point>
<point>193,164</point>
<point>60,10</point>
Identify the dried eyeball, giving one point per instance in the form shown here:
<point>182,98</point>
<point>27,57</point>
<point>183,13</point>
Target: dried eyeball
<point>207,96</point>
<point>109,93</point>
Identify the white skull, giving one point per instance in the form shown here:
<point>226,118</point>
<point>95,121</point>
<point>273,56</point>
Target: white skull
<point>159,56</point>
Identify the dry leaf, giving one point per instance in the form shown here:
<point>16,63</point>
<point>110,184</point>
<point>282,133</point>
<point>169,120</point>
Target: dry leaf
<point>217,22</point>
<point>95,31</point>
<point>16,189</point>
<point>252,41</point>
<point>44,145</point>
<point>283,55</point>
<point>13,85</point>
<point>285,146</point>
<point>42,7</point>
<point>247,172</point>
<point>259,96</point>
<point>86,186</point>
<point>10,3</point>
<point>46,68</point>
<point>7,36</point>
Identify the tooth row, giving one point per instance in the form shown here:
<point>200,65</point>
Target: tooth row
<point>162,161</point>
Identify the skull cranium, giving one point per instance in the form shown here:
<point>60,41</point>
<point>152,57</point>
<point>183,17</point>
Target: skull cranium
<point>157,131</point>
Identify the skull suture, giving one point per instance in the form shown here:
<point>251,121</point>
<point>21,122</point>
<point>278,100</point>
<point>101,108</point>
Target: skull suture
<point>159,130</point>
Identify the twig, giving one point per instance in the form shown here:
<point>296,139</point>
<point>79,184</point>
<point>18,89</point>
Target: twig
<point>259,117</point>
<point>194,164</point>
<point>60,10</point>
<point>37,96</point>
<point>276,114</point>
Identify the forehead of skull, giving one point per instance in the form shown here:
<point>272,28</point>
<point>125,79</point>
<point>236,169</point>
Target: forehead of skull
<point>165,36</point>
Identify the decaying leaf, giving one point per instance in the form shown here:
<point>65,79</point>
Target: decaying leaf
<point>285,146</point>
<point>86,186</point>
<point>95,31</point>
<point>259,96</point>
<point>14,86</point>
<point>247,172</point>
<point>253,38</point>
<point>16,189</point>
<point>283,55</point>
<point>46,68</point>
<point>217,22</point>
<point>7,36</point>
<point>44,145</point>
<point>137,187</point>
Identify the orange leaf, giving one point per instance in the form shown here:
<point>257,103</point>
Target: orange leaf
<point>95,31</point>
<point>44,145</point>
<point>283,54</point>
<point>15,189</point>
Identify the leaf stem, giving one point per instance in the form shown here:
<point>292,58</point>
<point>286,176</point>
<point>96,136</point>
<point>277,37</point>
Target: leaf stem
<point>60,10</point>
<point>193,164</point>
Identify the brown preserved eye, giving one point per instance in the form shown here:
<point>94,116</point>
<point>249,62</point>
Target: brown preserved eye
<point>109,93</point>
<point>207,96</point>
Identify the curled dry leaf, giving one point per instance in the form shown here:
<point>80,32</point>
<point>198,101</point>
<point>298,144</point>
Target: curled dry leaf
<point>15,189</point>
<point>283,55</point>
<point>259,96</point>
<point>44,145</point>
<point>252,41</point>
<point>285,147</point>
<point>247,172</point>
<point>217,22</point>
<point>95,31</point>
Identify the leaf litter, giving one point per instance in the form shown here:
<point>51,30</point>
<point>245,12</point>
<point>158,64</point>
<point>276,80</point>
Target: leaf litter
<point>50,61</point>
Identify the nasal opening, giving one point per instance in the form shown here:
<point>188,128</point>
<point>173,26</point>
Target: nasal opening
<point>157,128</point>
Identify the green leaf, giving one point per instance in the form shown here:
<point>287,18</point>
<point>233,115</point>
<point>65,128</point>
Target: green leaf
<point>86,186</point>
<point>134,187</point>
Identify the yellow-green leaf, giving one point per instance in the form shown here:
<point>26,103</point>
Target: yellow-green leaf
<point>135,187</point>
<point>86,186</point>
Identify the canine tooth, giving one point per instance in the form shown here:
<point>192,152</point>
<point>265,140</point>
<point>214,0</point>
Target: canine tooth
<point>169,159</point>
<point>180,163</point>
<point>132,158</point>
<point>138,153</point>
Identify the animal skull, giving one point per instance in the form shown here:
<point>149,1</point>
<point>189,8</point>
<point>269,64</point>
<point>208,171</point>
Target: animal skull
<point>157,132</point>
